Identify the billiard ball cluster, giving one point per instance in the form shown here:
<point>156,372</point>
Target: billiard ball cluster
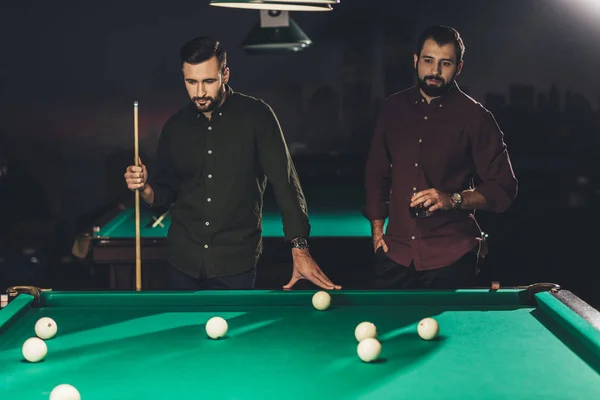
<point>369,347</point>
<point>35,350</point>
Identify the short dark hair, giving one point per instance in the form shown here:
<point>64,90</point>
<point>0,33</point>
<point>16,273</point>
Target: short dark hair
<point>442,35</point>
<point>201,49</point>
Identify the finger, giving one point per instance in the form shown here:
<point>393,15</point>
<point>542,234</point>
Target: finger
<point>417,197</point>
<point>135,177</point>
<point>140,162</point>
<point>317,275</point>
<point>429,202</point>
<point>435,207</point>
<point>317,280</point>
<point>424,192</point>
<point>385,248</point>
<point>416,201</point>
<point>292,282</point>
<point>326,279</point>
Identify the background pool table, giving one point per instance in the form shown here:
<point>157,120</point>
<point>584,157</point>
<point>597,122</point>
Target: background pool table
<point>150,345</point>
<point>340,240</point>
<point>334,213</point>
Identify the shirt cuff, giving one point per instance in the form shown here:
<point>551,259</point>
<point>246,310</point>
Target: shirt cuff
<point>497,199</point>
<point>374,212</point>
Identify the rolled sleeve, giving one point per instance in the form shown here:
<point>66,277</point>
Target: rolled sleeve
<point>499,185</point>
<point>276,162</point>
<point>378,174</point>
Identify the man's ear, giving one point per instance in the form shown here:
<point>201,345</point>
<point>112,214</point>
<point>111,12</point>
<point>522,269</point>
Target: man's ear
<point>416,60</point>
<point>226,74</point>
<point>459,68</point>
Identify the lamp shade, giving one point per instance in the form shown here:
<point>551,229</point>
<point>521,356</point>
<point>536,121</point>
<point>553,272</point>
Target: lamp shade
<point>285,5</point>
<point>275,33</point>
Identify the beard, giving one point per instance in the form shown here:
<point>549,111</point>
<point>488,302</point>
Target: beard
<point>435,89</point>
<point>211,102</point>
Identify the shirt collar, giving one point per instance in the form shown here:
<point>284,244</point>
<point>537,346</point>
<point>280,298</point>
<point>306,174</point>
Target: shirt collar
<point>447,98</point>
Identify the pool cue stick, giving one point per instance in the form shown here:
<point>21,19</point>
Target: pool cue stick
<point>160,219</point>
<point>138,258</point>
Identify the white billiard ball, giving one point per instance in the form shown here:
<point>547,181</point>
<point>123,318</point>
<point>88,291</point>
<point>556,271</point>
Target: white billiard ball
<point>365,330</point>
<point>34,349</point>
<point>428,328</point>
<point>65,392</point>
<point>369,349</point>
<point>216,327</point>
<point>321,300</point>
<point>45,328</point>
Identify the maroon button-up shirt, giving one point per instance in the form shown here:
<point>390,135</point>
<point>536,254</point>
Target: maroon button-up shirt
<point>449,144</point>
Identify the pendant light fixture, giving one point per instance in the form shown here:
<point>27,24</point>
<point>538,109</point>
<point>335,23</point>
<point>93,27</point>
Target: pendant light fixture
<point>275,33</point>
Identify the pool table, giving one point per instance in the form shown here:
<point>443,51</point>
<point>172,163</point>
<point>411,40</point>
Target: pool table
<point>512,343</point>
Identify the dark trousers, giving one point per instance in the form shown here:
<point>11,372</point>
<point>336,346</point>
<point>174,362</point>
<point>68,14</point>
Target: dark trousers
<point>177,280</point>
<point>390,275</point>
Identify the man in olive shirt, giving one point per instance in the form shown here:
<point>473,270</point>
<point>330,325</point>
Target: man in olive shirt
<point>213,160</point>
<point>432,143</point>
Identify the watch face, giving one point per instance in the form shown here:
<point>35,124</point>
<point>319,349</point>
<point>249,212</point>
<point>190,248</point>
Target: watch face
<point>300,243</point>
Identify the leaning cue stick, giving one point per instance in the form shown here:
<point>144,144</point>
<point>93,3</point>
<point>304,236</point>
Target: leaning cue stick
<point>138,258</point>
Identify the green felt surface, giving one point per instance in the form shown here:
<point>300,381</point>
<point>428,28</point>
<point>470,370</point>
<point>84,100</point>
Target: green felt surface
<point>152,346</point>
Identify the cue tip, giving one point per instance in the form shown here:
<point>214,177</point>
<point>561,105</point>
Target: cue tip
<point>135,103</point>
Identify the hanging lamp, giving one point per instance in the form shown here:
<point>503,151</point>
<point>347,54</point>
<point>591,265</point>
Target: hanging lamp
<point>275,33</point>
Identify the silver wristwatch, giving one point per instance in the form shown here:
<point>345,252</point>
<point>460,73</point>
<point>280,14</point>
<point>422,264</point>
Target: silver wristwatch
<point>457,200</point>
<point>300,243</point>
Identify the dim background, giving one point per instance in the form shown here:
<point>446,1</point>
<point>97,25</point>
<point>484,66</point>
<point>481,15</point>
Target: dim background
<point>69,73</point>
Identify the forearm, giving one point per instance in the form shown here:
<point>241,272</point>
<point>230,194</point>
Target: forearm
<point>147,194</point>
<point>377,228</point>
<point>473,200</point>
<point>299,253</point>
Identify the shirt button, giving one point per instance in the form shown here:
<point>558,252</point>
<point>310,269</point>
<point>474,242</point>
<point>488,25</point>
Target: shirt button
<point>426,117</point>
<point>209,199</point>
<point>209,176</point>
<point>220,114</point>
<point>210,128</point>
<point>412,237</point>
<point>206,246</point>
<point>420,140</point>
<point>416,164</point>
<point>210,152</point>
<point>440,105</point>
<point>207,223</point>
<point>414,188</point>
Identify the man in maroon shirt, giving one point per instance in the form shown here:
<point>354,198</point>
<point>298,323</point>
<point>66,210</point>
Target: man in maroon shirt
<point>432,143</point>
